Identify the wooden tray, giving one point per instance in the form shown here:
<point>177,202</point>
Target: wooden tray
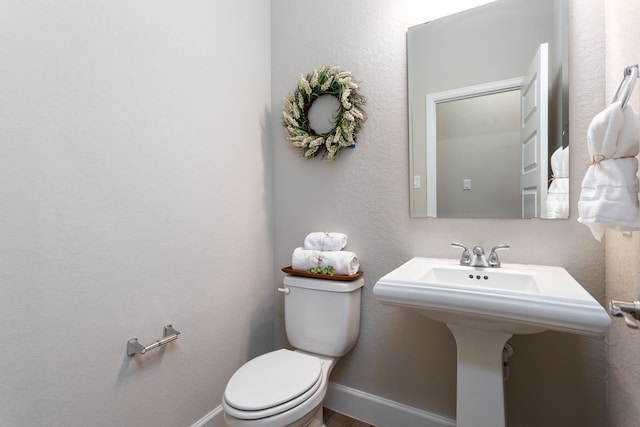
<point>341,277</point>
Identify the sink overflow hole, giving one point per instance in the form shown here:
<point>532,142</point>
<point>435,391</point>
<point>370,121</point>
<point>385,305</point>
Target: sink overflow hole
<point>471,276</point>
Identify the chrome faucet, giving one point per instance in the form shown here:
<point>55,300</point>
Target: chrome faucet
<point>477,258</point>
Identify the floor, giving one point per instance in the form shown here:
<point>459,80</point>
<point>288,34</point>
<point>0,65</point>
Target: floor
<point>335,419</point>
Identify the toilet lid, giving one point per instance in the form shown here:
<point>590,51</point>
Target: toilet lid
<point>273,379</point>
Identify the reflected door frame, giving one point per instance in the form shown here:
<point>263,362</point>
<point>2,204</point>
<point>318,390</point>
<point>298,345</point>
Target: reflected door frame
<point>432,99</point>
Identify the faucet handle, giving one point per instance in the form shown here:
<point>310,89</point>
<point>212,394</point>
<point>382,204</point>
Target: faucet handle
<point>493,260</point>
<point>465,259</point>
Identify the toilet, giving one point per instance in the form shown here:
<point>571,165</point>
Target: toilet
<point>286,388</point>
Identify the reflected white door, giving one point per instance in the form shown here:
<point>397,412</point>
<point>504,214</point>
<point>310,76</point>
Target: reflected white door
<point>534,134</point>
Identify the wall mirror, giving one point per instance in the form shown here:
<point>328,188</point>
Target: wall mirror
<point>488,112</point>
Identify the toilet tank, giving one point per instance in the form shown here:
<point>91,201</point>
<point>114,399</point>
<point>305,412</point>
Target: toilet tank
<point>322,316</point>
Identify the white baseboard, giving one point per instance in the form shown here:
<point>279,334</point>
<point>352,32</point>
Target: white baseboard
<point>379,411</point>
<point>214,418</point>
<point>363,406</point>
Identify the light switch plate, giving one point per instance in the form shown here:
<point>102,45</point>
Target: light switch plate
<point>416,181</point>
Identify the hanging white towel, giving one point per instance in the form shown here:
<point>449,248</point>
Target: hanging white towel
<point>325,241</point>
<point>609,196</point>
<point>343,262</point>
<point>558,193</point>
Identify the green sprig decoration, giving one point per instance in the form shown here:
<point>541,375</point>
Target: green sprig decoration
<point>327,271</point>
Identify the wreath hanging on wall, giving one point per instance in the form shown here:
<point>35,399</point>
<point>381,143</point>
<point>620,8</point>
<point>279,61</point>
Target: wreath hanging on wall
<point>348,120</point>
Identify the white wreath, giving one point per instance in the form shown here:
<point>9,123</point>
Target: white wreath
<point>349,116</point>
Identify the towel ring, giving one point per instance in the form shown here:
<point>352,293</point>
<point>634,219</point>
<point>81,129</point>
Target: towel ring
<point>629,71</point>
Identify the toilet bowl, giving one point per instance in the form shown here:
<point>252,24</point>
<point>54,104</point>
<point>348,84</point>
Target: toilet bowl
<point>278,389</point>
<point>286,388</point>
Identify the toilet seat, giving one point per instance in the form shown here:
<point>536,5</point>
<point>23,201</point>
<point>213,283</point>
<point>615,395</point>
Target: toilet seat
<point>272,383</point>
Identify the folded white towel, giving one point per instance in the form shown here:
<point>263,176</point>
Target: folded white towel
<point>558,194</point>
<point>324,241</point>
<point>560,163</point>
<point>613,133</point>
<point>343,262</point>
<point>609,196</point>
<point>558,199</point>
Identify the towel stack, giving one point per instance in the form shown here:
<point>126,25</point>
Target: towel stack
<point>323,250</point>
<point>558,193</point>
<point>609,196</point>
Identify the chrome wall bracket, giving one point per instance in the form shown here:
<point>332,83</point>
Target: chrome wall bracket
<point>134,347</point>
<point>630,310</point>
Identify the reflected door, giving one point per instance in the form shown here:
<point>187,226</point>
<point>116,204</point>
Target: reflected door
<point>534,135</point>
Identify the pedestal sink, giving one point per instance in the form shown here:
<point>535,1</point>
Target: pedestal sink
<point>484,307</point>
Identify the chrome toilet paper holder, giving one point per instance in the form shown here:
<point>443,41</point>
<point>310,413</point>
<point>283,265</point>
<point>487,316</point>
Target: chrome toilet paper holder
<point>134,347</point>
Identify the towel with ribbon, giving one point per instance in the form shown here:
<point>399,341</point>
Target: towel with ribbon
<point>343,262</point>
<point>558,193</point>
<point>609,196</point>
<point>325,241</point>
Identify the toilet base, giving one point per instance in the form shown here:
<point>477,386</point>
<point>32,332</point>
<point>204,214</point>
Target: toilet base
<point>317,420</point>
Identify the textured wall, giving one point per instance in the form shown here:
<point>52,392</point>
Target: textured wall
<point>134,189</point>
<point>557,379</point>
<point>623,252</point>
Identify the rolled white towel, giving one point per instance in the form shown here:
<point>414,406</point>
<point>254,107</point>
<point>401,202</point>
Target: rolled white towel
<point>343,262</point>
<point>325,241</point>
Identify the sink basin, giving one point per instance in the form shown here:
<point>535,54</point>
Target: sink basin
<point>496,280</point>
<point>483,307</point>
<point>515,298</point>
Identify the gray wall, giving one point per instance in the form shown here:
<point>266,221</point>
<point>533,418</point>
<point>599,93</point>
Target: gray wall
<point>557,379</point>
<point>487,130</point>
<point>123,126</point>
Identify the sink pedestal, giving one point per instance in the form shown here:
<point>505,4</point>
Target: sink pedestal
<point>480,395</point>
